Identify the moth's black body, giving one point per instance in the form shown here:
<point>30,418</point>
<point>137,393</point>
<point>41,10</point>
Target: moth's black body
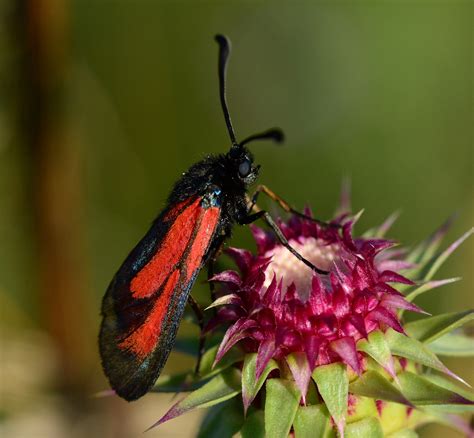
<point>220,172</point>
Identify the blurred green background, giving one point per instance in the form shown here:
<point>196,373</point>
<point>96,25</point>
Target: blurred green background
<point>103,105</point>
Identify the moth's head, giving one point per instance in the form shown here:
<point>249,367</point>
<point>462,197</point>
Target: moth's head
<point>239,157</point>
<point>241,162</point>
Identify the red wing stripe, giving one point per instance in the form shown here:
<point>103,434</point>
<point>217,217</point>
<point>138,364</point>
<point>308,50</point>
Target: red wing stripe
<point>143,340</point>
<point>201,240</point>
<point>155,272</point>
<point>173,212</point>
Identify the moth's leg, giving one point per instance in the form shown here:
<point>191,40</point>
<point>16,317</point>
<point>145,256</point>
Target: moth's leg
<point>284,205</point>
<point>202,337</point>
<point>265,216</point>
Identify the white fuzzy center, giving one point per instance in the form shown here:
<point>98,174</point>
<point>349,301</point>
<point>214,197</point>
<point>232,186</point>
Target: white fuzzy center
<point>286,266</point>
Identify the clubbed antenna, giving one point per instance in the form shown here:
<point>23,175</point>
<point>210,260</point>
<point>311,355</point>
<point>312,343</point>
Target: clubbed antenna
<point>224,52</point>
<point>274,134</point>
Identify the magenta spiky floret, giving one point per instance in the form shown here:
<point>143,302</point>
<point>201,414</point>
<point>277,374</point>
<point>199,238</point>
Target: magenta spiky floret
<point>276,305</point>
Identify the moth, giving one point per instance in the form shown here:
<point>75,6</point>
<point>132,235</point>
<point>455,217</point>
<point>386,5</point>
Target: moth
<point>145,301</point>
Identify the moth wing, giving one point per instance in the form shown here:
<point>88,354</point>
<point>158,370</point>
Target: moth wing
<point>145,301</point>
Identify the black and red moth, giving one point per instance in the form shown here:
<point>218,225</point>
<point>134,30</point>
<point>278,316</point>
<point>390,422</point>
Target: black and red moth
<point>145,301</point>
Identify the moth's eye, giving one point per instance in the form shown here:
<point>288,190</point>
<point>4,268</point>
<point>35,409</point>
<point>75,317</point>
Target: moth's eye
<point>244,168</point>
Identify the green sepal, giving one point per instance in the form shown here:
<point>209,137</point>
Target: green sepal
<point>182,382</point>
<point>428,247</point>
<point>206,370</point>
<point>422,392</point>
<point>451,420</point>
<point>416,351</point>
<point>333,385</point>
<point>377,348</point>
<point>429,329</point>
<point>312,422</point>
<point>368,427</point>
<point>380,231</point>
<point>224,419</point>
<point>430,269</point>
<point>453,344</point>
<point>428,262</point>
<point>254,425</point>
<point>222,387</point>
<point>373,384</point>
<point>444,382</point>
<point>281,403</point>
<point>452,409</point>
<point>312,396</point>
<point>299,368</point>
<point>251,385</point>
<point>420,289</point>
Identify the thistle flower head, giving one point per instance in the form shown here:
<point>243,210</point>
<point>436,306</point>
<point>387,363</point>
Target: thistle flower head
<point>277,305</point>
<point>332,352</point>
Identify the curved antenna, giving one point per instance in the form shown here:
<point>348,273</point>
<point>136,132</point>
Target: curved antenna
<point>224,52</point>
<point>274,134</point>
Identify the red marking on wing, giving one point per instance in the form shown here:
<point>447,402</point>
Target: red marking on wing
<point>155,272</point>
<point>201,240</point>
<point>143,340</point>
<point>173,212</point>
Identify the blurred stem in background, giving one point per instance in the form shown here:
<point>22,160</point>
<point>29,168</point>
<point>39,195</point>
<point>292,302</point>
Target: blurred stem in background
<point>53,158</point>
<point>41,29</point>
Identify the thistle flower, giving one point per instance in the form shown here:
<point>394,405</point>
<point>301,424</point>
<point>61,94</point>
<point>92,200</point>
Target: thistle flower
<point>277,306</point>
<point>316,355</point>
